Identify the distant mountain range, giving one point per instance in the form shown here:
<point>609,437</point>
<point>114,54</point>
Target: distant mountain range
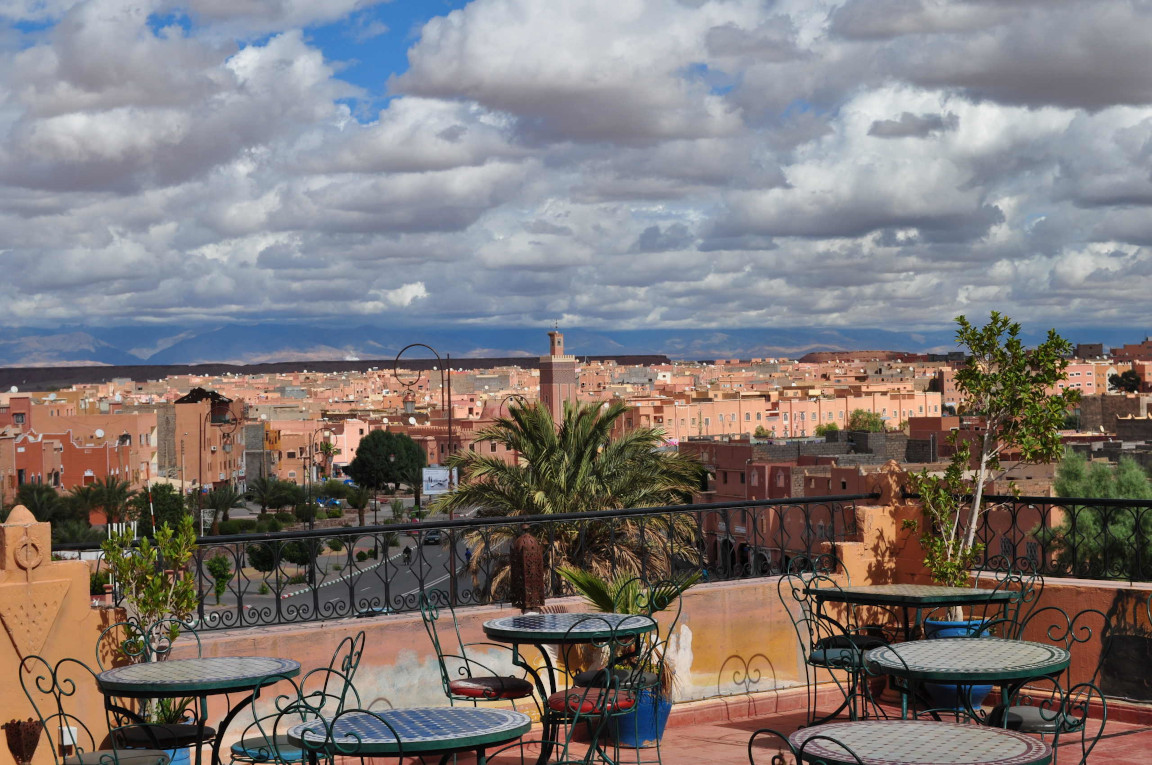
<point>274,342</point>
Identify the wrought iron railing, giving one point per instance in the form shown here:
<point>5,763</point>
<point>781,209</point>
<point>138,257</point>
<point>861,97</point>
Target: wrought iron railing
<point>300,576</point>
<point>1075,537</point>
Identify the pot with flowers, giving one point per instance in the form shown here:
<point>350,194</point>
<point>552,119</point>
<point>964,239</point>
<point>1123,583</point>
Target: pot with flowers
<point>1011,402</point>
<point>655,680</point>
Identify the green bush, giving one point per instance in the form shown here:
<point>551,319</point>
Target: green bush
<point>297,579</point>
<point>335,512</point>
<point>305,513</point>
<point>264,589</point>
<point>337,567</point>
<point>335,544</point>
<point>361,555</point>
<point>221,570</point>
<point>238,526</point>
<point>269,526</point>
<point>371,552</point>
<point>97,581</point>
<point>286,517</point>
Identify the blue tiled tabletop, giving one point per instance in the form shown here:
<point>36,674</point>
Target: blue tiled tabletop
<point>566,628</point>
<point>183,677</point>
<point>973,660</point>
<point>920,742</point>
<point>421,730</point>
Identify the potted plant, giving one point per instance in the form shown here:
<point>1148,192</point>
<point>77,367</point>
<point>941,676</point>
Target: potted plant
<point>626,594</point>
<point>1011,393</point>
<point>157,588</point>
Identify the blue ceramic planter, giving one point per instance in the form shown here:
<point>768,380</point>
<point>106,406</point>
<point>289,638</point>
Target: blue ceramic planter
<point>644,727</point>
<point>949,696</point>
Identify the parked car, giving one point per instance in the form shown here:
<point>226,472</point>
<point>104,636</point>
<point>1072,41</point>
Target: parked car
<point>433,537</point>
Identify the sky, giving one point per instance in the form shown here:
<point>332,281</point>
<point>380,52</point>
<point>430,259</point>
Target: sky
<point>616,164</point>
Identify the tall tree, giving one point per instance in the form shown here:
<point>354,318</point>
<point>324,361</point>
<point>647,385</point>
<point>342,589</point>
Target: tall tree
<point>1127,381</point>
<point>1101,540</point>
<point>167,505</point>
<point>386,458</point>
<point>1008,387</point>
<point>862,419</point>
<point>112,495</point>
<point>574,466</point>
<point>222,499</point>
<point>358,499</point>
<point>44,502</point>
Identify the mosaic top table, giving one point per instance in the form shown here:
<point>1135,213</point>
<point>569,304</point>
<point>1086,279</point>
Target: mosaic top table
<point>909,596</point>
<point>560,629</point>
<point>198,678</point>
<point>421,731</point>
<point>920,742</point>
<point>969,661</point>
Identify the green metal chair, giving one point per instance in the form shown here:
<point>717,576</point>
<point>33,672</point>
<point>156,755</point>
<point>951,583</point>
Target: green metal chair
<point>324,691</point>
<point>835,643</point>
<point>51,690</point>
<point>462,676</point>
<point>1067,706</point>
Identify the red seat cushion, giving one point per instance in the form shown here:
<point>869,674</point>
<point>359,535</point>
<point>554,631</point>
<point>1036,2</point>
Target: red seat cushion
<point>491,688</point>
<point>588,701</point>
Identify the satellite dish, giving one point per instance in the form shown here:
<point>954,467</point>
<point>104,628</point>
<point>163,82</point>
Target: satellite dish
<point>385,420</point>
<point>51,396</point>
<point>411,420</point>
<point>13,389</point>
<point>118,398</point>
<point>99,432</point>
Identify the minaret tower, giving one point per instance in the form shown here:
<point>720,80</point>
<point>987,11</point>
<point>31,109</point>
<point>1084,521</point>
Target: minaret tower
<point>558,381</point>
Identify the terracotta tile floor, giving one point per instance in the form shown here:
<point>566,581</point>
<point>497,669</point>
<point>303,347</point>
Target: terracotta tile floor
<point>706,733</point>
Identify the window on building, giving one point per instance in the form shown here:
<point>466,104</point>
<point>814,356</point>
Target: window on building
<point>747,417</point>
<point>707,421</point>
<point>291,455</point>
<point>779,479</point>
<point>843,485</point>
<point>291,473</point>
<point>18,418</point>
<point>492,447</point>
<point>742,478</point>
<point>758,416</point>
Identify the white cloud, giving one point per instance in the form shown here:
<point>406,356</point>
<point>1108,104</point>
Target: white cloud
<point>613,162</point>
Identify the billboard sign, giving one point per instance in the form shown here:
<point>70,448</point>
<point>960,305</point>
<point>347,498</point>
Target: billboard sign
<point>438,480</point>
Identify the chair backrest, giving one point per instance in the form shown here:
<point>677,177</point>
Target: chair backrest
<point>51,690</point>
<point>431,603</point>
<point>264,739</point>
<point>134,642</point>
<point>811,621</point>
<point>1085,713</point>
<point>764,740</point>
<point>346,658</point>
<point>660,597</point>
<point>1022,579</point>
<point>343,735</point>
<point>1080,634</point>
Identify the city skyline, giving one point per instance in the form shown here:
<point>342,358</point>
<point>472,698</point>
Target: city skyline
<point>605,165</point>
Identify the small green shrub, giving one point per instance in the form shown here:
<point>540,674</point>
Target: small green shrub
<point>335,544</point>
<point>238,526</point>
<point>305,513</point>
<point>371,552</point>
<point>264,589</point>
<point>337,567</point>
<point>97,581</point>
<point>361,556</point>
<point>335,512</point>
<point>297,579</point>
<point>270,526</point>
<point>286,517</point>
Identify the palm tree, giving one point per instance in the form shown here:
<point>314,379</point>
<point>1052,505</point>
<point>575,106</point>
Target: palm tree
<point>264,491</point>
<point>112,495</point>
<point>578,466</point>
<point>222,499</point>
<point>358,499</point>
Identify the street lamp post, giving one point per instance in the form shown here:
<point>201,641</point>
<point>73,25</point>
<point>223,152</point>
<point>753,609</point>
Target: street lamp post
<point>446,403</point>
<point>309,478</point>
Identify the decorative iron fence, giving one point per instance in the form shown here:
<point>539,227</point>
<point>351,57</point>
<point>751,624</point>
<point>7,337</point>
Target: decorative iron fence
<point>264,579</point>
<point>1084,538</point>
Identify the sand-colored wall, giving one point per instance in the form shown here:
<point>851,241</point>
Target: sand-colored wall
<point>46,611</point>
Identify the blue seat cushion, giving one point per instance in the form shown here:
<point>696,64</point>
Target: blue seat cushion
<point>261,749</point>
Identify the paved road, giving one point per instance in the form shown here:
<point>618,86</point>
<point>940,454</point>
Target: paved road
<point>373,586</point>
